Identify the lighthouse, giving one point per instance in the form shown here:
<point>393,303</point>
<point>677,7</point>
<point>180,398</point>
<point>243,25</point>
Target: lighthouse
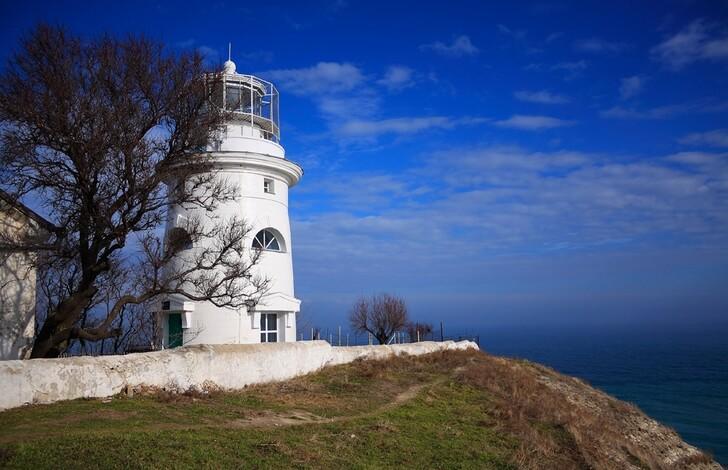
<point>249,154</point>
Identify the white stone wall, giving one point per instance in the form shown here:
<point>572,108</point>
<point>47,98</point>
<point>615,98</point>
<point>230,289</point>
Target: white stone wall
<point>229,367</point>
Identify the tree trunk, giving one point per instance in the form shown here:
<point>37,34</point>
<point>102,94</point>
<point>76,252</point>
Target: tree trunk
<point>47,344</point>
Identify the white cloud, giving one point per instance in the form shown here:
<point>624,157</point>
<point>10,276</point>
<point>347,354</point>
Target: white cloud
<point>665,112</point>
<point>338,107</point>
<point>397,77</point>
<point>517,34</point>
<point>716,138</point>
<point>494,222</point>
<point>501,199</point>
<point>324,77</point>
<point>631,86</point>
<point>700,158</point>
<point>596,45</point>
<point>533,123</point>
<point>543,96</point>
<point>461,46</point>
<point>572,69</point>
<point>661,112</point>
<point>407,125</point>
<point>338,89</point>
<point>695,42</point>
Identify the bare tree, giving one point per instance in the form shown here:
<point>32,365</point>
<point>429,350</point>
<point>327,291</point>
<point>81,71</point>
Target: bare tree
<point>380,315</point>
<point>101,132</point>
<point>418,331</point>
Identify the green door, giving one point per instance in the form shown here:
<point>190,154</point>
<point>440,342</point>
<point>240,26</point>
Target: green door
<point>174,329</point>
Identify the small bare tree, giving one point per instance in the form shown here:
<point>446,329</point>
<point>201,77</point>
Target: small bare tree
<point>381,315</point>
<point>105,133</point>
<point>418,331</point>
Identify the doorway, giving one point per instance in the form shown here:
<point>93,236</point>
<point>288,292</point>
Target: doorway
<point>174,330</point>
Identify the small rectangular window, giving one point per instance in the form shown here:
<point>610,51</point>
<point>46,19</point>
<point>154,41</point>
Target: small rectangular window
<point>268,186</point>
<point>268,328</point>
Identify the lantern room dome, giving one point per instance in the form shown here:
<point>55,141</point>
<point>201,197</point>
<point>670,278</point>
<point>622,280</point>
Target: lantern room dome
<point>228,66</point>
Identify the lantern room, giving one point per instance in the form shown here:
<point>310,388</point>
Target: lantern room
<point>252,102</point>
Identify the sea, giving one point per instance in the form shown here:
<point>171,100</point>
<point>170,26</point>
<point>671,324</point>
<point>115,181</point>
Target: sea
<point>675,374</point>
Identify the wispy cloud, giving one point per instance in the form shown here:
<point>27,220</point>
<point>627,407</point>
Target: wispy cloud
<point>459,47</point>
<point>519,38</point>
<point>517,34</point>
<point>698,41</point>
<point>401,126</point>
<point>347,106</point>
<point>504,199</point>
<point>324,77</point>
<point>664,112</point>
<point>553,37</point>
<point>715,138</point>
<point>543,97</point>
<point>350,104</point>
<point>598,46</point>
<point>514,216</point>
<point>660,112</point>
<point>572,69</point>
<point>397,77</point>
<point>631,86</point>
<point>339,89</point>
<point>533,123</point>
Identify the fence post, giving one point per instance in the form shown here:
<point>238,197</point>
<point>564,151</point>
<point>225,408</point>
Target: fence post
<point>442,335</point>
<point>339,335</point>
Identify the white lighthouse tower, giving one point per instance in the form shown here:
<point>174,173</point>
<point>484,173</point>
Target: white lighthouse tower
<point>248,153</point>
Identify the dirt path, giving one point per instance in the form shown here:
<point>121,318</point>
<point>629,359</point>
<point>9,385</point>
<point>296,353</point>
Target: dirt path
<point>264,419</point>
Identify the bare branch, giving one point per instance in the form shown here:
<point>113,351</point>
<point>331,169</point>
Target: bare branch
<point>106,134</point>
<point>380,315</point>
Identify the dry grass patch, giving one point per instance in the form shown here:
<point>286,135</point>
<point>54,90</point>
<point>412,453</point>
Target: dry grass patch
<point>564,423</point>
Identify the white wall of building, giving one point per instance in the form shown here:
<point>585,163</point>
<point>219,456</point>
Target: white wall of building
<point>17,283</point>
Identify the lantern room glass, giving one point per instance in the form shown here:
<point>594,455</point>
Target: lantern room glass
<point>250,98</point>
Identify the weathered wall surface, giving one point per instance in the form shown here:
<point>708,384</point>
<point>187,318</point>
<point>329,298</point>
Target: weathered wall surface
<point>199,366</point>
<point>17,284</point>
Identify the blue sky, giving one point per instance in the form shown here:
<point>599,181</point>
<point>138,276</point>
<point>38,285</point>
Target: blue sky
<point>494,164</point>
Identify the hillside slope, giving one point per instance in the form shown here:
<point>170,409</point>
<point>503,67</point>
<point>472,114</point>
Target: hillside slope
<point>460,409</point>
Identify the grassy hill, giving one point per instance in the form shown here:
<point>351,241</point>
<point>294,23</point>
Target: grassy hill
<point>459,409</point>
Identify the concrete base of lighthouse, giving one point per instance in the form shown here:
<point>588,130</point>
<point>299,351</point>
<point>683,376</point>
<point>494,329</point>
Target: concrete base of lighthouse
<point>183,322</point>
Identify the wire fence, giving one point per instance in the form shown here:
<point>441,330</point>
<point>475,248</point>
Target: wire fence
<point>338,336</point>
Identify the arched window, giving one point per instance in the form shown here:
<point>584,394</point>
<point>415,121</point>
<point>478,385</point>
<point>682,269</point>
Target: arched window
<point>267,240</point>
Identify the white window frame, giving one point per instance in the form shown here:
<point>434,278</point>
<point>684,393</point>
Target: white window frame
<point>269,186</point>
<point>265,328</point>
<point>265,242</point>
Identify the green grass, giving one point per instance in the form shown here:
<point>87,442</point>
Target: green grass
<point>366,415</point>
<point>459,409</point>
